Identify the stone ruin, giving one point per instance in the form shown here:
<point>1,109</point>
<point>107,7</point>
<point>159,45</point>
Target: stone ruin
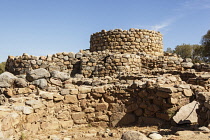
<point>132,41</point>
<point>124,79</point>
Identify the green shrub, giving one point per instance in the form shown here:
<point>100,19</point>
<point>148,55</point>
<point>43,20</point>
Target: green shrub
<point>2,67</point>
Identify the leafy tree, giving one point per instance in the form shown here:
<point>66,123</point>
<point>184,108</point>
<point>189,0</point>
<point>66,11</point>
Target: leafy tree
<point>206,44</point>
<point>195,52</point>
<point>169,50</point>
<point>2,67</point>
<point>184,50</point>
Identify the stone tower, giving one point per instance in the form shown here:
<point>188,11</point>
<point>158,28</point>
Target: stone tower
<point>128,41</point>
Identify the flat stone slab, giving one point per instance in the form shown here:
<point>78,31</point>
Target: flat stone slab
<point>187,113</point>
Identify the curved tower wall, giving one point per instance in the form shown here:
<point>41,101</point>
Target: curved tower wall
<point>127,41</point>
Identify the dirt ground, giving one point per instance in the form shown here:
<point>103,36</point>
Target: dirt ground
<point>98,133</point>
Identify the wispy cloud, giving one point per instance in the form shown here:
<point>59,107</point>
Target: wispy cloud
<point>185,8</point>
<point>196,4</point>
<point>162,25</point>
<point>157,27</point>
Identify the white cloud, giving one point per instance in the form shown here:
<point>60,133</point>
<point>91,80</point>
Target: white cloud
<point>186,7</point>
<point>161,26</point>
<point>158,27</point>
<point>196,4</point>
<point>164,25</point>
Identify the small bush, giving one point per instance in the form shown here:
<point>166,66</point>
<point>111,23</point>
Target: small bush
<point>2,67</point>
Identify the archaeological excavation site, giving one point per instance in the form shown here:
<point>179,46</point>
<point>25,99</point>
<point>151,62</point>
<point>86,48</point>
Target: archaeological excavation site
<point>124,79</point>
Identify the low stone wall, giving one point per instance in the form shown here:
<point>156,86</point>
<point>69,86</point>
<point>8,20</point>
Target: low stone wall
<point>65,62</point>
<point>168,63</point>
<point>131,41</point>
<point>51,100</point>
<point>109,64</point>
<point>203,67</point>
<point>100,64</point>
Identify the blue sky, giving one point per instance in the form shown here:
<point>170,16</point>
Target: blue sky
<point>41,27</point>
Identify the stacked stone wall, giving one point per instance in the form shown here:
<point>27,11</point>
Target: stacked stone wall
<point>110,64</point>
<point>100,64</point>
<point>65,62</point>
<point>66,102</point>
<point>131,41</point>
<point>119,81</point>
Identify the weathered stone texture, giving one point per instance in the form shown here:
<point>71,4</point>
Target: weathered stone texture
<point>124,79</point>
<point>131,41</point>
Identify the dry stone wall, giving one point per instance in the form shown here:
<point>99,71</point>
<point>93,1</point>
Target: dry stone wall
<point>131,41</point>
<point>108,85</point>
<point>101,63</point>
<point>65,62</point>
<point>46,101</point>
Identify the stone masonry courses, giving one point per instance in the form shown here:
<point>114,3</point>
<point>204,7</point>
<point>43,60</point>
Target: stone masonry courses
<point>124,79</point>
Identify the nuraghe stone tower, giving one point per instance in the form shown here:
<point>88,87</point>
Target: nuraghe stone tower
<point>127,41</point>
<point>123,79</point>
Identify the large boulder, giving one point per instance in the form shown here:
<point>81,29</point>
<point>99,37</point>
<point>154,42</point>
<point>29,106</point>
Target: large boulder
<point>41,83</point>
<point>155,136</point>
<point>187,64</point>
<point>133,135</point>
<point>187,113</point>
<point>37,74</point>
<point>7,80</point>
<point>20,83</point>
<point>60,75</point>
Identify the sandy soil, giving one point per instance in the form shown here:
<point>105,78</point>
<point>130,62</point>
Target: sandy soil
<point>98,133</point>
